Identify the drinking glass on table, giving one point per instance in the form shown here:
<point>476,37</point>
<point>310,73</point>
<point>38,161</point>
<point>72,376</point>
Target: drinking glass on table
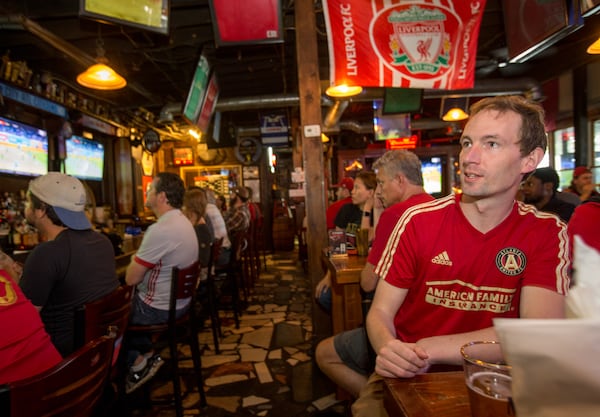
<point>488,379</point>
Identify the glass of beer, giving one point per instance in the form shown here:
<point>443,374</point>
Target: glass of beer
<point>488,379</point>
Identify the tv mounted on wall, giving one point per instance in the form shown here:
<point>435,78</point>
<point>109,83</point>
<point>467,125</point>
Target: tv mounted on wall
<point>197,91</point>
<point>85,158</point>
<point>152,15</point>
<point>432,169</point>
<point>23,149</point>
<point>389,126</point>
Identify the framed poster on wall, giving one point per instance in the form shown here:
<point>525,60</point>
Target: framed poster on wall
<point>219,178</point>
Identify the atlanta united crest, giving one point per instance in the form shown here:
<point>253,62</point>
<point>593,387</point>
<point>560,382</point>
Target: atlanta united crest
<point>416,39</point>
<point>511,261</point>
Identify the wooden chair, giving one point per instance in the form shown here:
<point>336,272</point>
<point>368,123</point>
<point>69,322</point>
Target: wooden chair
<point>71,388</point>
<point>208,285</point>
<point>228,278</point>
<point>107,314</point>
<point>184,284</point>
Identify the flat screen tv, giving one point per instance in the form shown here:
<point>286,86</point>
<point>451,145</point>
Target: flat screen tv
<point>23,149</point>
<point>85,158</point>
<point>389,126</point>
<point>152,15</point>
<point>197,91</point>
<point>432,168</point>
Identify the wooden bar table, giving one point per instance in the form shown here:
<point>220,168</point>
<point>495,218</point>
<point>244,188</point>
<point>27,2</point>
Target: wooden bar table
<point>346,302</point>
<point>427,395</point>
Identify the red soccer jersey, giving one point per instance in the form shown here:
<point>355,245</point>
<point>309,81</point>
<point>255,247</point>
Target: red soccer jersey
<point>25,347</point>
<point>388,220</point>
<point>458,278</point>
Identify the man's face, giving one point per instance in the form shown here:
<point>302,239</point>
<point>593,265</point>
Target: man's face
<point>583,180</point>
<point>151,195</point>
<point>490,157</point>
<point>388,188</point>
<point>533,190</point>
<point>341,193</point>
<point>29,211</point>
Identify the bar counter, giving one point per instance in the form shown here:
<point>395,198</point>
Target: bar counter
<point>346,302</point>
<point>428,395</point>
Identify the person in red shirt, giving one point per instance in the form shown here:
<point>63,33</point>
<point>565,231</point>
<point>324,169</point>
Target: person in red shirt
<point>582,183</point>
<point>25,347</point>
<point>585,223</point>
<point>454,264</point>
<point>343,194</point>
<point>345,357</point>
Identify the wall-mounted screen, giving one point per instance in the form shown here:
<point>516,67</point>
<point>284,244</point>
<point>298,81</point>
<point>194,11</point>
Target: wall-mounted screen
<point>432,168</point>
<point>197,91</point>
<point>23,149</point>
<point>390,126</point>
<point>85,158</point>
<point>151,15</point>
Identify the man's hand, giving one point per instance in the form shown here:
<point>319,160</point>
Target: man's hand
<point>397,359</point>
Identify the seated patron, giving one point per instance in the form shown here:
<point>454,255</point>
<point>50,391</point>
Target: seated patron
<point>475,245</point>
<point>345,357</point>
<point>170,242</point>
<point>25,347</point>
<point>540,189</point>
<point>582,183</point>
<point>73,265</point>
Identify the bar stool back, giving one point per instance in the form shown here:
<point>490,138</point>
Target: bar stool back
<point>184,285</point>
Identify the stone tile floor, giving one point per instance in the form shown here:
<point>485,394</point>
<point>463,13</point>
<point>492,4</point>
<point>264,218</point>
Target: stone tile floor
<point>265,368</point>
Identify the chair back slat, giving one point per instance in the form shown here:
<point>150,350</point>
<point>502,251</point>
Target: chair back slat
<point>71,388</point>
<point>185,281</point>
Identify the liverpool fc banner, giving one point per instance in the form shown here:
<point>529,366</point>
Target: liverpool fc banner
<point>403,43</point>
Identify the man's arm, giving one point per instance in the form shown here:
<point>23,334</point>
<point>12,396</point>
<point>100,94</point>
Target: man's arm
<point>536,303</point>
<point>135,273</point>
<point>368,278</point>
<point>395,359</point>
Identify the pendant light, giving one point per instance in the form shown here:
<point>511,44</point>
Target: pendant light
<point>100,76</point>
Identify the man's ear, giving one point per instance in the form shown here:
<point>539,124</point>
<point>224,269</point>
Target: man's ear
<point>530,162</point>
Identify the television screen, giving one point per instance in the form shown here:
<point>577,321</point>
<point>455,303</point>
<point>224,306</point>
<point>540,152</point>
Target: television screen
<point>151,15</point>
<point>23,149</point>
<point>432,169</point>
<point>197,91</point>
<point>246,22</point>
<point>402,100</point>
<point>390,126</point>
<point>85,158</point>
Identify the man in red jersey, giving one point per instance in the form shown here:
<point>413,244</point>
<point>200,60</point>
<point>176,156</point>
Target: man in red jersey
<point>345,357</point>
<point>343,191</point>
<point>452,265</point>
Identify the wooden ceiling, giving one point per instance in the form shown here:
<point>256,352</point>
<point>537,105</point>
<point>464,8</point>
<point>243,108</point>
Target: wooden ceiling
<point>159,68</point>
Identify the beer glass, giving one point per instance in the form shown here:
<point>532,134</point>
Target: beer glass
<point>488,379</point>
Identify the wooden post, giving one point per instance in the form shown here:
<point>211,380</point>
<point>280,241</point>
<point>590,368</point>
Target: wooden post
<point>310,116</point>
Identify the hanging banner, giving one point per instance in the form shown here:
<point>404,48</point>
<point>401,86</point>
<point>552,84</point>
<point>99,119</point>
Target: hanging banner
<point>408,43</point>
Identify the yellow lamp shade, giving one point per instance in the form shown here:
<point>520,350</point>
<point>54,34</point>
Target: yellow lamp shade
<point>455,114</point>
<point>343,90</point>
<point>594,48</point>
<point>101,77</point>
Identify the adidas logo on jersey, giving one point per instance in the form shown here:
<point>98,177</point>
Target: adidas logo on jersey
<point>442,259</point>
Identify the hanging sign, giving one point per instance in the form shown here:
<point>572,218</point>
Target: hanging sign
<point>410,44</point>
<point>274,129</point>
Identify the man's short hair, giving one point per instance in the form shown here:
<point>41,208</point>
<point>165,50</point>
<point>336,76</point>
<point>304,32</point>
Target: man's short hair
<point>401,161</point>
<point>546,175</point>
<point>172,186</point>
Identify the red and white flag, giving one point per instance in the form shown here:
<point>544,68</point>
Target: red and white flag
<point>403,43</point>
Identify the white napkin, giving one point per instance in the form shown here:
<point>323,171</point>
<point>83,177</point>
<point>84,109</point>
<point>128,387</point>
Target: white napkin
<point>556,363</point>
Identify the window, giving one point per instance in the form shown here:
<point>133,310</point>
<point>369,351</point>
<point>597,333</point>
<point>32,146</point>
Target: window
<point>564,154</point>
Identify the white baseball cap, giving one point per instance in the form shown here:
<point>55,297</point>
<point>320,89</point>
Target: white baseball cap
<point>66,195</point>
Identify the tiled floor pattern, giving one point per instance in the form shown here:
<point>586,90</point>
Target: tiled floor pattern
<point>265,367</point>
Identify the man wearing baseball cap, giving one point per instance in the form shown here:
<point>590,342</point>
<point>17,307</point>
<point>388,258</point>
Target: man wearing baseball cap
<point>73,265</point>
<point>582,183</point>
<point>343,191</point>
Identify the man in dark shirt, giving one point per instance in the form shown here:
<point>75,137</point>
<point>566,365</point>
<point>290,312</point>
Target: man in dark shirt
<point>75,264</point>
<point>540,188</point>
